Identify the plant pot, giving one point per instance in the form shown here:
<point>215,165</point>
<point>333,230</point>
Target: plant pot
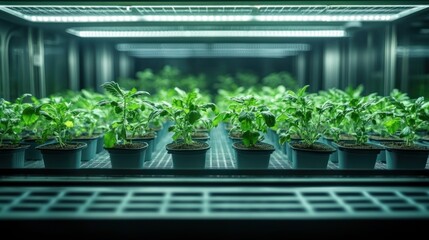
<point>57,158</point>
<point>128,158</point>
<point>201,137</point>
<point>13,157</point>
<point>406,158</point>
<point>188,158</point>
<point>381,141</point>
<point>253,158</point>
<point>100,144</point>
<point>151,142</point>
<point>90,151</point>
<point>357,157</point>
<point>330,141</point>
<point>31,153</point>
<point>305,158</point>
<point>288,148</point>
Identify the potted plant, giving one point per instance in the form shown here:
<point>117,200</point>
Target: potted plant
<point>185,112</point>
<point>410,117</point>
<point>305,120</point>
<point>12,152</point>
<point>124,153</point>
<point>34,129</point>
<point>359,116</point>
<point>86,124</point>
<point>59,117</point>
<point>382,126</point>
<point>141,130</point>
<point>252,119</point>
<point>89,102</point>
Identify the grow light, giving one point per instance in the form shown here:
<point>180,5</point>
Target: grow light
<point>211,50</point>
<point>208,33</point>
<point>211,13</point>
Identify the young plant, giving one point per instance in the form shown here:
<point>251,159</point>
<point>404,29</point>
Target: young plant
<point>60,120</point>
<point>186,111</point>
<point>252,118</point>
<point>16,119</point>
<point>10,122</point>
<point>360,115</point>
<point>410,117</point>
<point>124,105</point>
<point>305,117</point>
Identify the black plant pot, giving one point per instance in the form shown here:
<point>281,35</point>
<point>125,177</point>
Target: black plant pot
<point>253,158</point>
<point>62,158</point>
<point>13,157</point>
<point>357,158</point>
<point>188,158</point>
<point>126,158</point>
<point>303,158</point>
<point>406,158</point>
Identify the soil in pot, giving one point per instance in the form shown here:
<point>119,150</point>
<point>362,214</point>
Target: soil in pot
<point>188,156</point>
<point>255,157</point>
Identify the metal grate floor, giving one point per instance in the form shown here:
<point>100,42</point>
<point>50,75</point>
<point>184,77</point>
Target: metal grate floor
<point>214,202</point>
<point>220,156</point>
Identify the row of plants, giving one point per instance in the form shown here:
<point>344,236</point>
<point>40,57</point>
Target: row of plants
<point>152,81</point>
<point>339,126</point>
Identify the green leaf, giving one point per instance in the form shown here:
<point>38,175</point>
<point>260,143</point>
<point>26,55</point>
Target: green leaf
<point>193,116</point>
<point>301,92</point>
<point>269,118</point>
<point>118,110</point>
<point>392,125</point>
<point>109,139</point>
<point>140,93</point>
<point>29,115</point>
<point>171,128</point>
<point>114,89</point>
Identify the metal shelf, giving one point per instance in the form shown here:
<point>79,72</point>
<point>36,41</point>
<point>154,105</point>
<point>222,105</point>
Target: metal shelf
<point>214,202</point>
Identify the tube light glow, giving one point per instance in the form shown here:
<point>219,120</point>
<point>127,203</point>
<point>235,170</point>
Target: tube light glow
<point>83,18</point>
<point>212,33</point>
<point>211,13</point>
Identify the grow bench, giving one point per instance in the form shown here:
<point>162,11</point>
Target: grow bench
<point>220,156</point>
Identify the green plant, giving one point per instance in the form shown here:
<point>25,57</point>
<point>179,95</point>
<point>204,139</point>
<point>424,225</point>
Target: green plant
<point>60,120</point>
<point>304,117</point>
<point>125,107</point>
<point>250,117</point>
<point>186,111</point>
<point>89,117</point>
<point>280,79</point>
<point>411,116</point>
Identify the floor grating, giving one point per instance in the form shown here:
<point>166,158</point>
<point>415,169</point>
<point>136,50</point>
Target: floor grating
<point>219,156</point>
<point>214,202</point>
